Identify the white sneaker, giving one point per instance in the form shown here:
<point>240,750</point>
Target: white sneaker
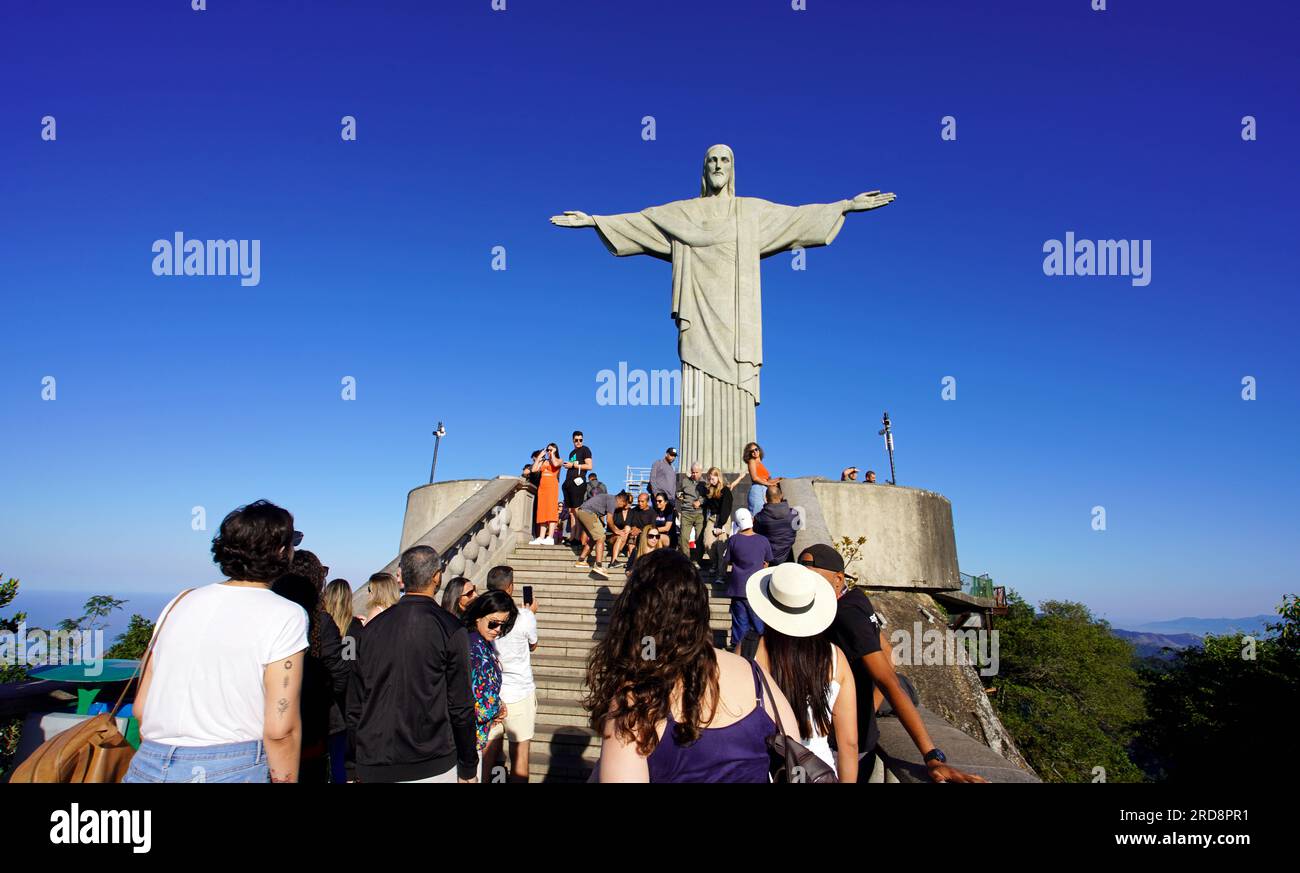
<point>536,541</point>
<point>549,541</point>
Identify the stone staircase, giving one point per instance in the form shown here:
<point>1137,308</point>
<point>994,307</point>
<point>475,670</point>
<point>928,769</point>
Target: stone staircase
<point>572,611</point>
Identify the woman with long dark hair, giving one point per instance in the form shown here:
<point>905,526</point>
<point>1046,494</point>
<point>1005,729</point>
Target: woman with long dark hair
<point>797,607</point>
<point>325,671</point>
<point>669,706</point>
<point>489,617</point>
<point>752,457</point>
<point>457,595</point>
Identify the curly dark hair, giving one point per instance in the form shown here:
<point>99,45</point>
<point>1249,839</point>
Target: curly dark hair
<point>664,603</point>
<point>304,584</point>
<point>254,542</point>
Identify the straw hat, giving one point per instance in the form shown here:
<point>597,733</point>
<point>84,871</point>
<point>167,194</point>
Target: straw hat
<point>792,599</point>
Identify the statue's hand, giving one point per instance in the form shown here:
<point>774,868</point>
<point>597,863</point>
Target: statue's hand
<point>871,200</point>
<point>572,218</point>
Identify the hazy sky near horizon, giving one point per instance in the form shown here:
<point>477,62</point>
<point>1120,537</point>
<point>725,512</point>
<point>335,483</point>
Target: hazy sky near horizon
<point>475,126</point>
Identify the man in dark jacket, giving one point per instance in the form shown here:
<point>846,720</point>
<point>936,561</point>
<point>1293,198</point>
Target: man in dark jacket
<point>409,700</point>
<point>776,522</point>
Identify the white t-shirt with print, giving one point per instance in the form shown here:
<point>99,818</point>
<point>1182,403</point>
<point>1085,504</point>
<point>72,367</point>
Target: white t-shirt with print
<point>209,662</point>
<point>516,659</point>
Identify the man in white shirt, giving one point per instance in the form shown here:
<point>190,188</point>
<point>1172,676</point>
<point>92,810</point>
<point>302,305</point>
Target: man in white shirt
<point>518,692</point>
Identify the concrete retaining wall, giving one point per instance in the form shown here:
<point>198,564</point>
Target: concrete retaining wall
<point>910,539</point>
<point>430,504</point>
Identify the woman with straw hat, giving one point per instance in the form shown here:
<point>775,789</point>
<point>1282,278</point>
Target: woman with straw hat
<point>797,606</point>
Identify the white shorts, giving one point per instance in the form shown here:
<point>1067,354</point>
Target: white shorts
<point>521,718</point>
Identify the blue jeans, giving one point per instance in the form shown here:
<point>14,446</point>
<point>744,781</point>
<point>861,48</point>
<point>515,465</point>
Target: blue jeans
<point>743,620</point>
<point>232,762</point>
<point>757,497</point>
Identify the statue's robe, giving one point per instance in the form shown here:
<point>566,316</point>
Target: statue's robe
<point>717,303</point>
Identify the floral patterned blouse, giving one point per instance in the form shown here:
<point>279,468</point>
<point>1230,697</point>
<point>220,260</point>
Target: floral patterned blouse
<point>485,682</point>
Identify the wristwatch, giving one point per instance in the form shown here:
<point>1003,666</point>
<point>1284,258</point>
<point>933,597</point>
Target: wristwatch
<point>936,754</point>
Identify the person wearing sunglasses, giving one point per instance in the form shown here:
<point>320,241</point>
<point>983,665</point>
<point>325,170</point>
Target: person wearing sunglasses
<point>458,595</point>
<point>489,617</point>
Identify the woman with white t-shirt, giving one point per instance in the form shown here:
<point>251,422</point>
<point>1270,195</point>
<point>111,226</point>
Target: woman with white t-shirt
<point>219,699</point>
<point>797,606</point>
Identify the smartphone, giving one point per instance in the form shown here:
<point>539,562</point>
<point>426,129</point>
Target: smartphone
<point>528,595</point>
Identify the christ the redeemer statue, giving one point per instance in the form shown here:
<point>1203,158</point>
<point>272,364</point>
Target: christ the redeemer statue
<point>714,242</point>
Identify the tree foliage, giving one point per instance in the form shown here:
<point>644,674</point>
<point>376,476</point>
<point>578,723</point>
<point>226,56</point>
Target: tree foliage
<point>134,641</point>
<point>1228,697</point>
<point>1068,691</point>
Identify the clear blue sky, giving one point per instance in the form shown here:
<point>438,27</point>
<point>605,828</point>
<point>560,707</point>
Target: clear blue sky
<point>476,126</point>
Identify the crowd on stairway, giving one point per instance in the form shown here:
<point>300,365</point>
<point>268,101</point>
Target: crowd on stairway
<point>271,675</point>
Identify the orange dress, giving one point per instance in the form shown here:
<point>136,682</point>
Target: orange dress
<point>548,495</point>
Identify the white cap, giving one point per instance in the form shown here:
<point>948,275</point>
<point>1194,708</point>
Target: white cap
<point>742,520</point>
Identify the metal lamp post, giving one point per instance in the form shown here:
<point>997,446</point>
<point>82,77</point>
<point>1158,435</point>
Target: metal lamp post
<point>437,441</point>
<point>889,446</point>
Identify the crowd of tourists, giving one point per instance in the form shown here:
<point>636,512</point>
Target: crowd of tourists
<point>273,675</point>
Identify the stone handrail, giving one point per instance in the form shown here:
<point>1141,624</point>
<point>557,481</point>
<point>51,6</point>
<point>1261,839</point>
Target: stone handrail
<point>903,761</point>
<point>477,533</point>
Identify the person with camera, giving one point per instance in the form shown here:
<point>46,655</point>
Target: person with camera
<point>547,467</point>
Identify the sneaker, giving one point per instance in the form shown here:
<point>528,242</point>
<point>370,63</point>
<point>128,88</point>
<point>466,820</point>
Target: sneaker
<point>549,541</point>
<point>583,564</point>
<point>600,571</point>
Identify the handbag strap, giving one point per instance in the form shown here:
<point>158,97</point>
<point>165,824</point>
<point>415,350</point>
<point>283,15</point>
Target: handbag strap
<point>776,712</point>
<point>148,653</point>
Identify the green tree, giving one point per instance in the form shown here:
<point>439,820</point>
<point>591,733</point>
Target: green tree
<point>95,614</point>
<point>1227,697</point>
<point>10,728</point>
<point>134,641</point>
<point>1068,691</point>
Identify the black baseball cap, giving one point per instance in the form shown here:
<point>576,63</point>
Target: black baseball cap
<point>670,451</point>
<point>822,557</point>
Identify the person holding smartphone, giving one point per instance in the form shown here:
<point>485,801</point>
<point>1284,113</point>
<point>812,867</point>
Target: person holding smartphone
<point>547,467</point>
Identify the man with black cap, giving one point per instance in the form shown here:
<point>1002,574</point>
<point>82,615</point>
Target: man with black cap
<point>856,631</point>
<point>663,477</point>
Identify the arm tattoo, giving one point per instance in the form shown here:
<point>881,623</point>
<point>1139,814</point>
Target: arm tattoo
<point>288,665</point>
<point>282,705</point>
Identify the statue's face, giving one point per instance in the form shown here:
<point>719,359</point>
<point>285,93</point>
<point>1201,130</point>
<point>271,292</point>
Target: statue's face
<point>717,168</point>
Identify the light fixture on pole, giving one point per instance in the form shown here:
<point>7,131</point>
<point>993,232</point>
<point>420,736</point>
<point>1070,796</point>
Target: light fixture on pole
<point>437,440</point>
<point>889,446</point>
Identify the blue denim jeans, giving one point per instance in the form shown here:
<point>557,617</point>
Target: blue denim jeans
<point>743,620</point>
<point>757,497</point>
<point>233,762</point>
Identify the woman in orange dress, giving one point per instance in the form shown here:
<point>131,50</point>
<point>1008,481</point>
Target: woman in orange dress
<point>548,467</point>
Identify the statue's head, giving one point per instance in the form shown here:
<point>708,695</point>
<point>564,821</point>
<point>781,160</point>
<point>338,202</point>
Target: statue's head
<point>719,171</point>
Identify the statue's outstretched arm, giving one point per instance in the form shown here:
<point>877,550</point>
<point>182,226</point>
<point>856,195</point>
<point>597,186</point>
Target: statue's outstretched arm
<point>573,218</point>
<point>868,200</point>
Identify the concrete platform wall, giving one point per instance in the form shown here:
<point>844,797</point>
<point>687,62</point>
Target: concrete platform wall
<point>430,504</point>
<point>910,538</point>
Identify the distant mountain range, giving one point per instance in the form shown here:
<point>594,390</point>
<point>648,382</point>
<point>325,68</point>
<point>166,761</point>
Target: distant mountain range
<point>1154,645</point>
<point>1253,624</point>
<point>1154,638</point>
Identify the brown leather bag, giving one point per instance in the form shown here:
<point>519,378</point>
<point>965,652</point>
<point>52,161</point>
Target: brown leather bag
<point>93,750</point>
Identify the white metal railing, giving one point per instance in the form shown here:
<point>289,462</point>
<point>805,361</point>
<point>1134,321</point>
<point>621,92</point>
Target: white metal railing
<point>637,480</point>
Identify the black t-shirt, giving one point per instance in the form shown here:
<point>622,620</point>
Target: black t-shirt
<point>855,631</point>
<point>579,455</point>
<point>638,517</point>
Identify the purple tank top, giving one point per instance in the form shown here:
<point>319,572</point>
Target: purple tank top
<point>735,753</point>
